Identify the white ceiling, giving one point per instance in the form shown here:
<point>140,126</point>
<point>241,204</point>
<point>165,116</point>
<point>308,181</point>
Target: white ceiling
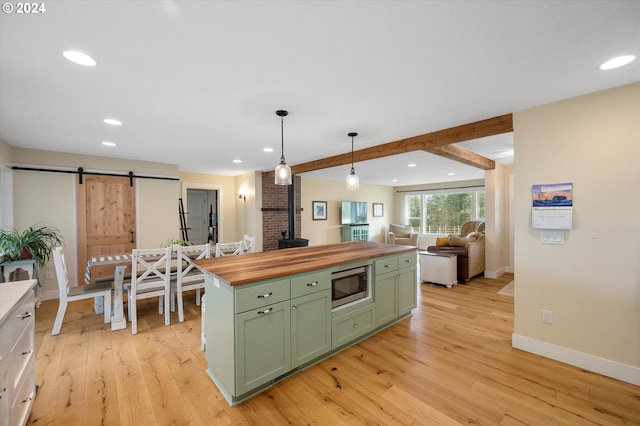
<point>197,83</point>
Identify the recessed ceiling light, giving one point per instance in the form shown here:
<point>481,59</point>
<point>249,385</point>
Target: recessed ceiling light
<point>268,149</point>
<point>105,143</point>
<point>451,174</point>
<point>237,161</point>
<point>79,58</point>
<point>411,165</point>
<point>112,121</point>
<point>617,62</point>
<point>394,180</point>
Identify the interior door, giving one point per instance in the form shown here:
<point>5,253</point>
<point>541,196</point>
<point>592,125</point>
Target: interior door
<point>197,219</point>
<point>106,220</point>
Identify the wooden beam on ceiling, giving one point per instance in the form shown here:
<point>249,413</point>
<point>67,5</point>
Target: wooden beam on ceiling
<point>463,155</point>
<point>435,142</point>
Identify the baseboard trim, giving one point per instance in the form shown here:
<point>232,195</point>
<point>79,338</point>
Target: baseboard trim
<point>606,367</point>
<point>495,274</point>
<point>49,295</point>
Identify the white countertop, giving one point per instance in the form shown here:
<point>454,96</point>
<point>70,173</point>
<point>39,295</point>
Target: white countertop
<point>11,293</point>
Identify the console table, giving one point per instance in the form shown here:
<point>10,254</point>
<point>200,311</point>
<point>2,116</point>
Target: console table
<point>29,267</point>
<point>359,232</point>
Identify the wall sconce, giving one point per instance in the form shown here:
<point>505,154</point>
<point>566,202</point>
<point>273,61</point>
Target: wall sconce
<point>242,196</point>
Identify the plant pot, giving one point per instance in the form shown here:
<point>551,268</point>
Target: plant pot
<point>26,254</point>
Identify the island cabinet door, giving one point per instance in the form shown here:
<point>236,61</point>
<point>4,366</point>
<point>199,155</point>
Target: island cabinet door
<point>263,345</point>
<point>310,327</point>
<point>407,290</point>
<point>386,296</point>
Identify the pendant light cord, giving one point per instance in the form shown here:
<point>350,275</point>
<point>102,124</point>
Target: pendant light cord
<point>353,170</point>
<point>353,135</point>
<point>281,139</point>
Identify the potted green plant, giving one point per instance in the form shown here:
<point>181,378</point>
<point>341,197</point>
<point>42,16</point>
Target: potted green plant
<point>36,242</point>
<point>173,242</point>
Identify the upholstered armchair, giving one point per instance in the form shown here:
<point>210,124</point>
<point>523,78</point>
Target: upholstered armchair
<point>401,234</point>
<point>468,246</point>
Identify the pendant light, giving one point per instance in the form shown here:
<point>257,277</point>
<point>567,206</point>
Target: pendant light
<point>353,181</point>
<point>283,172</point>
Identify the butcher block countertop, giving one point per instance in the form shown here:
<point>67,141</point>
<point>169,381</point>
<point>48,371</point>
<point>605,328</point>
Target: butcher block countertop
<point>252,267</point>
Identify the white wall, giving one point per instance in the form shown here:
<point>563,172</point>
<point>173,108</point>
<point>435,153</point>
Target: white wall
<point>497,223</point>
<point>48,198</point>
<point>334,192</point>
<point>592,282</point>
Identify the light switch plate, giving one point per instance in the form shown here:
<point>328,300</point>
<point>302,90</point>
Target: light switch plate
<point>552,237</point>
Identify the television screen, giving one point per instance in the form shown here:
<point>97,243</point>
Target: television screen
<point>354,212</point>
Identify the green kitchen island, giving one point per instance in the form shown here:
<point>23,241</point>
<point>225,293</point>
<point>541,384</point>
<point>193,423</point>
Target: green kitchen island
<point>269,315</point>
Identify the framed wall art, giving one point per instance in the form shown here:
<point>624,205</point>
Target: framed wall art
<point>319,209</point>
<point>378,210</point>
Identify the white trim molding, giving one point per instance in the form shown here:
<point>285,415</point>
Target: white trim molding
<point>606,367</point>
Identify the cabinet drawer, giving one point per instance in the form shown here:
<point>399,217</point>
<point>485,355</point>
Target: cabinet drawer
<point>310,283</point>
<point>348,327</point>
<point>24,395</point>
<point>5,341</point>
<point>256,296</point>
<point>408,259</point>
<point>21,358</point>
<point>387,264</point>
<point>22,318</point>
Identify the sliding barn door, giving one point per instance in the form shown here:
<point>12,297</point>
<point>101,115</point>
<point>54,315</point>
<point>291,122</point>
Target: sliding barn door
<point>106,220</point>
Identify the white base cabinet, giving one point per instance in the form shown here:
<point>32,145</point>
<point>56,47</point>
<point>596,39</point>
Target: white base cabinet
<point>17,357</point>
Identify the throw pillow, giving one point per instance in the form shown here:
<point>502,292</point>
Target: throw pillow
<point>456,241</point>
<point>442,241</point>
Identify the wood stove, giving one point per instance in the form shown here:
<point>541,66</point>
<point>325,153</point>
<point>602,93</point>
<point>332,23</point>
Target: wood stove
<point>292,241</point>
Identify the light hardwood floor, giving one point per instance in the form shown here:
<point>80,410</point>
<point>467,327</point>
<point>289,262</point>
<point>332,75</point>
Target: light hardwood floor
<point>450,363</point>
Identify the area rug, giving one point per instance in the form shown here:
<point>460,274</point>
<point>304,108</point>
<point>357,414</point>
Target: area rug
<point>507,290</point>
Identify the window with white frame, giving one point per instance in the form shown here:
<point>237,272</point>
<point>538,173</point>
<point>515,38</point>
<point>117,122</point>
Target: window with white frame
<point>443,212</point>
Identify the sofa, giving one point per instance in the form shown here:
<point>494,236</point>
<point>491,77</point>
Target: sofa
<point>402,234</point>
<point>469,248</point>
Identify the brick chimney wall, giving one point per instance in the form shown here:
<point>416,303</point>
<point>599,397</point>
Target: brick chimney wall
<point>275,211</point>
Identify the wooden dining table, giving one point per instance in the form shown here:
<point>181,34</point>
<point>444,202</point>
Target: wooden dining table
<point>119,262</point>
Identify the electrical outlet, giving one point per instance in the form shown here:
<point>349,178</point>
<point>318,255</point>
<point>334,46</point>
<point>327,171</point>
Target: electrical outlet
<point>547,316</point>
<point>48,275</point>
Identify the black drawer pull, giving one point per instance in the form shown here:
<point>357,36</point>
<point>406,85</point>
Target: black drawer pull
<point>266,311</point>
<point>313,284</point>
<point>26,315</point>
<point>264,296</point>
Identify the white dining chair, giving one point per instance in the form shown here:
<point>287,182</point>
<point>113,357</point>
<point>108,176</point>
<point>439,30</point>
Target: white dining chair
<point>229,249</point>
<point>188,276</point>
<point>150,277</point>
<point>249,244</point>
<point>70,294</point>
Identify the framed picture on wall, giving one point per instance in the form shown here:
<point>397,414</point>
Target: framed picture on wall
<point>378,210</point>
<point>319,209</point>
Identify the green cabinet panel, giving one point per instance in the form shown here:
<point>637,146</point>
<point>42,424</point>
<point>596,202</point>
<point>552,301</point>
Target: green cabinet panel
<point>407,290</point>
<point>350,326</point>
<point>310,283</point>
<point>406,260</point>
<point>386,296</point>
<point>310,327</point>
<point>253,296</point>
<point>395,287</point>
<point>385,265</point>
<point>263,345</point>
